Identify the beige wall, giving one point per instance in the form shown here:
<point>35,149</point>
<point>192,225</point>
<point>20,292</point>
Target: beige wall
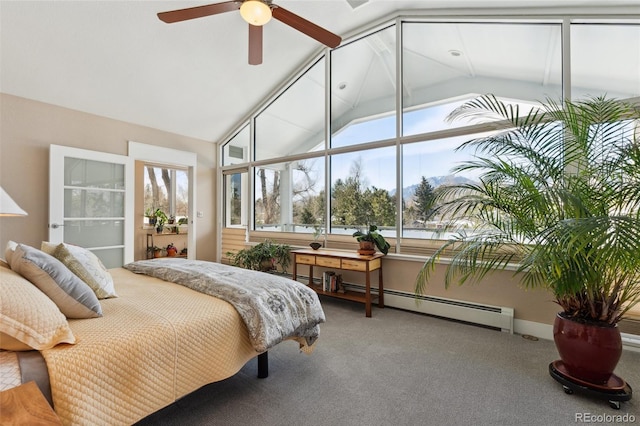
<point>27,128</point>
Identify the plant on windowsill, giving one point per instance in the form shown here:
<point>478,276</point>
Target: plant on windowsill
<point>161,219</point>
<point>371,239</point>
<point>264,256</point>
<point>558,199</point>
<point>150,214</point>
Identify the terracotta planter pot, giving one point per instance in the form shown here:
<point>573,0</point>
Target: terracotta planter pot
<point>589,352</point>
<point>367,248</point>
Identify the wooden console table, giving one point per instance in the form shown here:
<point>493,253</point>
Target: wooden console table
<point>344,260</point>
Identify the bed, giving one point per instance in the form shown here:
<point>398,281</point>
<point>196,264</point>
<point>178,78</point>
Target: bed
<point>154,341</point>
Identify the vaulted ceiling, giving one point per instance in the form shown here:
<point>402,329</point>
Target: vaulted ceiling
<point>117,59</point>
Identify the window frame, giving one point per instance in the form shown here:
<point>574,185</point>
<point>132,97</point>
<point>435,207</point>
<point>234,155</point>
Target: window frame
<point>411,246</point>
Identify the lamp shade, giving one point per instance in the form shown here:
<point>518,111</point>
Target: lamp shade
<point>8,207</point>
<point>255,12</point>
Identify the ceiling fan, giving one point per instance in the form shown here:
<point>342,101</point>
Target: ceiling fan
<point>256,13</point>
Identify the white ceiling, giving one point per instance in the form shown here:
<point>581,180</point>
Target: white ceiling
<point>117,59</point>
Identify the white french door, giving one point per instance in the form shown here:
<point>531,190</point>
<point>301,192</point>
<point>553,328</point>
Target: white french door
<point>91,202</point>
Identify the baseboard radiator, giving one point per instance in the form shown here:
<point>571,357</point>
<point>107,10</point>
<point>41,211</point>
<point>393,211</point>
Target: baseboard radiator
<point>487,315</point>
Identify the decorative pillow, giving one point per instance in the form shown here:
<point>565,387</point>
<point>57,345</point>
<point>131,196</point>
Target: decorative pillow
<point>8,253</point>
<point>28,318</point>
<point>48,247</point>
<point>88,267</point>
<point>74,298</point>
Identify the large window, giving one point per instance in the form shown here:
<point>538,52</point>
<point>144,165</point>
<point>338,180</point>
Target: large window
<point>236,151</point>
<point>426,167</point>
<point>599,50</point>
<point>290,196</point>
<point>363,86</point>
<point>363,191</point>
<point>166,189</point>
<point>294,122</point>
<point>235,185</point>
<point>445,64</point>
<point>390,143</point>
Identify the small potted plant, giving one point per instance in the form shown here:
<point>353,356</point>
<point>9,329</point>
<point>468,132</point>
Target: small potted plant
<point>157,251</point>
<point>264,256</point>
<point>161,219</point>
<point>183,225</point>
<point>150,214</point>
<point>370,240</point>
<point>172,251</point>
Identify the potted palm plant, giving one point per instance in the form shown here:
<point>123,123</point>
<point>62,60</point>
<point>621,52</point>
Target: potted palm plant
<point>558,198</point>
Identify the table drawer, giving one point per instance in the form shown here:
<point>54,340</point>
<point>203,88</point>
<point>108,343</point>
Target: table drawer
<point>305,259</point>
<point>354,265</point>
<point>330,262</point>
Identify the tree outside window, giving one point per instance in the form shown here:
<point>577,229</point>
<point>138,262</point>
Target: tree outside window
<point>166,189</point>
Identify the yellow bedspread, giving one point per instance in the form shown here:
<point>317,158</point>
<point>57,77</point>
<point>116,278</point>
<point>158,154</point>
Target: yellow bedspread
<point>155,343</point>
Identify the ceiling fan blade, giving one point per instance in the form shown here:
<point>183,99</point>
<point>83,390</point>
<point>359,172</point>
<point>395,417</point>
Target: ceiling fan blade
<point>309,28</point>
<point>198,12</point>
<point>255,44</point>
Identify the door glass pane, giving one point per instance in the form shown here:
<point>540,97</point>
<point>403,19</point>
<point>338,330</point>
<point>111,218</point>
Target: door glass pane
<point>93,174</point>
<point>93,203</point>
<point>111,257</point>
<point>86,233</point>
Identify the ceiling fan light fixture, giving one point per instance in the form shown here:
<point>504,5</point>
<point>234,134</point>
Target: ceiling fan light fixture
<point>255,12</point>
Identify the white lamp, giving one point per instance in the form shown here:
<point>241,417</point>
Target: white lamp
<point>255,12</point>
<point>8,207</point>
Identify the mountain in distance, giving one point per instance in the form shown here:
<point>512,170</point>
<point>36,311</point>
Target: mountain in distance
<point>434,181</point>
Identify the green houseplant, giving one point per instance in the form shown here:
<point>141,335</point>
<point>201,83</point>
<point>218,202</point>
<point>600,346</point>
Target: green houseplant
<point>371,235</point>
<point>558,198</point>
<point>161,219</point>
<point>151,215</point>
<point>264,256</point>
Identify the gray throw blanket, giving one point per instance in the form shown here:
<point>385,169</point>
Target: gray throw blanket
<point>274,308</point>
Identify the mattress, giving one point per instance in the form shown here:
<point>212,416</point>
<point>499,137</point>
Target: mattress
<point>155,343</point>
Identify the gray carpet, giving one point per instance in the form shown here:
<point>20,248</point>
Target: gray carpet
<point>399,368</point>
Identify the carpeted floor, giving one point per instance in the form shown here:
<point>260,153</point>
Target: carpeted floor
<point>400,368</point>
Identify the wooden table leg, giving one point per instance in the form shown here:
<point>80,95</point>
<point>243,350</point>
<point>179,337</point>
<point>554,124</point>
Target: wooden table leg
<point>380,289</point>
<point>294,276</point>
<point>367,302</point>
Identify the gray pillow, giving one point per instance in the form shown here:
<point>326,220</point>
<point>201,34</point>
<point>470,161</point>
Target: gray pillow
<point>74,298</point>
